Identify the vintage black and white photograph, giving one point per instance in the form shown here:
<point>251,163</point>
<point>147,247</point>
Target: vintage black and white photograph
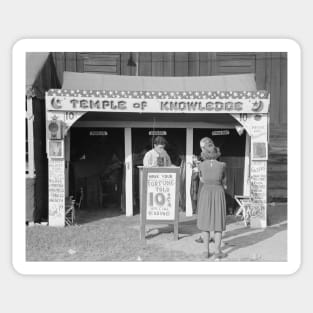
<point>174,156</point>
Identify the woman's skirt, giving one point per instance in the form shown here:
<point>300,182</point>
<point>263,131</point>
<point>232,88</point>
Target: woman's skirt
<point>211,208</point>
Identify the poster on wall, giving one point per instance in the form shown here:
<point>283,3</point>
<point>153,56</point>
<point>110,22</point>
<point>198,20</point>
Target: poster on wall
<point>56,149</point>
<point>56,192</point>
<point>258,193</point>
<point>259,150</point>
<point>255,124</point>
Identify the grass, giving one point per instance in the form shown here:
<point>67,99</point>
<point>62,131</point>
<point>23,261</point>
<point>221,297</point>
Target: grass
<point>103,236</point>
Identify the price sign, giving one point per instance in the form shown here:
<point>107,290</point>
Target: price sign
<point>159,196</point>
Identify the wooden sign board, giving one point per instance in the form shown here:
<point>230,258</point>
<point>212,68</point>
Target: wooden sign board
<point>159,195</point>
<point>56,192</point>
<point>258,193</point>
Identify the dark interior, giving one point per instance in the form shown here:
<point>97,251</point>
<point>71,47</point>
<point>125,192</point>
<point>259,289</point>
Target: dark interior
<point>232,147</point>
<point>97,164</point>
<point>142,142</point>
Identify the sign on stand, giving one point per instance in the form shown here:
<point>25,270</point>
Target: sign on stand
<point>159,197</point>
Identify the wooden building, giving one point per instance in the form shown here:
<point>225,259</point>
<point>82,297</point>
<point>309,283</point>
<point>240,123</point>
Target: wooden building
<point>270,71</point>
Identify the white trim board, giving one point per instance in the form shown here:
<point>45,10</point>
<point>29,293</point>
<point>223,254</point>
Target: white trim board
<point>140,124</point>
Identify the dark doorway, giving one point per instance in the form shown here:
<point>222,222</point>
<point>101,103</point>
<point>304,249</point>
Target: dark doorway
<point>142,142</point>
<point>97,166</point>
<point>232,147</point>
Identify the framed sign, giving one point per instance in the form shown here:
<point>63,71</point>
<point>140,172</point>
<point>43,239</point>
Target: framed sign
<point>159,197</point>
<point>259,150</point>
<point>56,149</point>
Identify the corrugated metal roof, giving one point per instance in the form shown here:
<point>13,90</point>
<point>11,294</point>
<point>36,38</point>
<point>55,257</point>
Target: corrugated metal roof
<point>91,81</point>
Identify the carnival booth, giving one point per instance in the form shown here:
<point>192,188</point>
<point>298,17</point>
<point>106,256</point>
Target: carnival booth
<point>100,126</point>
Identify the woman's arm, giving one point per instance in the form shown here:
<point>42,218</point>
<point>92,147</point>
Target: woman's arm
<point>200,173</point>
<point>224,177</point>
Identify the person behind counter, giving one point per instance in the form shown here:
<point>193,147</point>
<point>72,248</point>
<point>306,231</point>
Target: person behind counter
<point>158,155</point>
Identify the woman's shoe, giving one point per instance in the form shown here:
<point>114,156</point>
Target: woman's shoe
<point>220,255</point>
<point>199,240</point>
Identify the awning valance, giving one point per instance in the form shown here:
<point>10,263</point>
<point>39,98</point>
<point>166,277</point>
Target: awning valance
<point>91,81</point>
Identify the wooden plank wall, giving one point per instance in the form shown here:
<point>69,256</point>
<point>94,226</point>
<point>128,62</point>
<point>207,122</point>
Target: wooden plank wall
<point>270,69</point>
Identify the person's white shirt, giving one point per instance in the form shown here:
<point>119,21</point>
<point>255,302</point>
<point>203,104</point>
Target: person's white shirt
<point>151,158</point>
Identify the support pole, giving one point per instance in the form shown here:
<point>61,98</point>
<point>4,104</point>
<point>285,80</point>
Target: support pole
<point>129,172</point>
<point>246,182</point>
<point>30,139</point>
<point>189,152</point>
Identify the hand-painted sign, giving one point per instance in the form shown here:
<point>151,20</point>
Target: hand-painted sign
<point>258,191</point>
<point>157,133</point>
<point>98,133</point>
<point>220,132</point>
<point>158,102</point>
<point>56,193</point>
<point>255,124</point>
<point>159,194</point>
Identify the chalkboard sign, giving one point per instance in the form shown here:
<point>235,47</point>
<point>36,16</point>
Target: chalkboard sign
<point>159,195</point>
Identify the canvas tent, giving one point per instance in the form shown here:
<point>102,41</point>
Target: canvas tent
<point>40,77</point>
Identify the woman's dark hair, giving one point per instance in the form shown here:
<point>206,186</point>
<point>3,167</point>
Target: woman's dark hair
<point>159,140</point>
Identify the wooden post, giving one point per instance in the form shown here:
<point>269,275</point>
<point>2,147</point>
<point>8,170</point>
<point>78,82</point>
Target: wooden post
<point>189,152</point>
<point>30,139</point>
<point>142,212</point>
<point>246,182</point>
<point>67,152</point>
<point>176,230</point>
<point>129,172</point>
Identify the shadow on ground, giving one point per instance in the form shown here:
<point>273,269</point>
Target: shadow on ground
<point>90,216</point>
<point>187,227</point>
<point>240,238</point>
<point>237,235</point>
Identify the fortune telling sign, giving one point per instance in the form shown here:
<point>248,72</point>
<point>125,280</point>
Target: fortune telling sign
<point>158,101</point>
<point>160,196</point>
